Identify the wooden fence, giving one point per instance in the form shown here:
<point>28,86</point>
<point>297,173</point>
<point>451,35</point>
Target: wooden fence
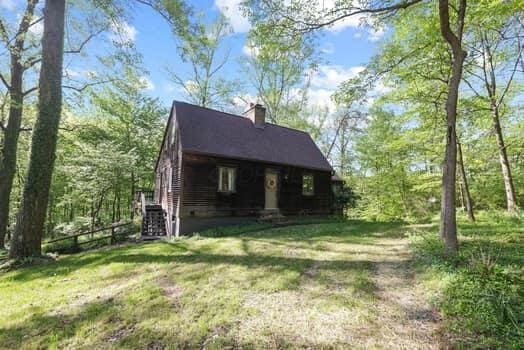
<point>125,229</point>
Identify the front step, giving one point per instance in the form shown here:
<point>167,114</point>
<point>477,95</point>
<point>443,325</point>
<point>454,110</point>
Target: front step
<point>272,217</point>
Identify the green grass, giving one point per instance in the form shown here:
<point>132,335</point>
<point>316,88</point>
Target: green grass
<point>333,284</point>
<point>480,292</point>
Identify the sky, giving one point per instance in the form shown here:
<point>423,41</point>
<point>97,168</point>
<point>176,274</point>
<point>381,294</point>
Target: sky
<point>344,48</point>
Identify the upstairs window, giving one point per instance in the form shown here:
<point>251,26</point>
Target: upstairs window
<point>226,179</point>
<point>308,185</point>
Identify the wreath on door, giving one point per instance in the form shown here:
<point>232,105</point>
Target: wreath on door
<point>271,184</point>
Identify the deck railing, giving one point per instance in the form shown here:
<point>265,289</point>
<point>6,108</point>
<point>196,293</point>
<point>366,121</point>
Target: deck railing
<point>148,195</point>
<point>126,229</point>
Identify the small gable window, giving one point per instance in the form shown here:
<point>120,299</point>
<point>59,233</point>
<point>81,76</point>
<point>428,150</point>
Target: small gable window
<point>226,179</point>
<point>308,185</point>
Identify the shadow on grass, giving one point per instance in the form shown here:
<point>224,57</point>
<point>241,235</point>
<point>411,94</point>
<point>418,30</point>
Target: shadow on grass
<point>45,330</point>
<point>103,321</point>
<point>249,261</point>
<point>179,253</point>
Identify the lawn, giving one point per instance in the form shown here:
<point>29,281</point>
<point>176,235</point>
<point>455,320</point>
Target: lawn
<point>335,284</point>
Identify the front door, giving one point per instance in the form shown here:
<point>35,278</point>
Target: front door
<point>271,189</point>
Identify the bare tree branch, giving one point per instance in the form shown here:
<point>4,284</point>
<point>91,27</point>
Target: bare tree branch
<point>159,10</point>
<point>5,82</point>
<point>341,13</point>
<point>86,41</point>
<point>85,86</point>
<point>28,91</point>
<point>3,34</point>
<point>36,22</point>
<point>506,88</point>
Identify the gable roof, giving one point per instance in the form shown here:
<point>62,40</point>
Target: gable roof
<point>207,131</point>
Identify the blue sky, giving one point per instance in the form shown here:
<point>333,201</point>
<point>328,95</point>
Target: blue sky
<point>344,49</point>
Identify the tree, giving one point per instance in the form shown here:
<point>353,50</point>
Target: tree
<point>496,56</point>
<point>105,150</point>
<point>448,215</point>
<point>464,185</point>
<point>89,20</point>
<point>200,48</point>
<point>277,67</point>
<point>307,16</point>
<point>16,46</point>
<point>31,217</point>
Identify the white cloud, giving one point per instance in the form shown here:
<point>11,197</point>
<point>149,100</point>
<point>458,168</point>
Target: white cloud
<point>321,98</point>
<point>123,33</point>
<point>249,50</point>
<point>242,101</point>
<point>146,83</point>
<point>37,29</point>
<point>355,21</point>
<point>375,34</point>
<point>170,87</point>
<point>348,22</point>
<point>328,49</point>
<point>325,81</point>
<point>331,76</point>
<point>231,9</point>
<point>72,73</point>
<point>325,7</point>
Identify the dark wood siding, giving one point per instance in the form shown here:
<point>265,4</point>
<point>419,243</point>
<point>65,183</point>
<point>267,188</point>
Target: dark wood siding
<point>201,198</point>
<point>168,189</point>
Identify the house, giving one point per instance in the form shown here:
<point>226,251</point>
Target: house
<point>216,168</point>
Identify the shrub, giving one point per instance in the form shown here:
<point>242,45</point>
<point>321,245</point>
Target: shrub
<point>479,291</point>
<point>484,304</point>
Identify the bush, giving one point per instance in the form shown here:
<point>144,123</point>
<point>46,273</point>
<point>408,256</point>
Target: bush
<point>485,305</point>
<point>480,298</point>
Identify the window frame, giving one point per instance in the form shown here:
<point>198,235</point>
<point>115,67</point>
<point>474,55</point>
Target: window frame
<point>304,190</point>
<point>232,179</point>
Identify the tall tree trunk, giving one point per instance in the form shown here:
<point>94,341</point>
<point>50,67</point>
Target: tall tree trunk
<point>465,186</point>
<point>490,82</point>
<point>504,161</point>
<point>448,217</point>
<point>31,216</point>
<point>14,121</point>
<point>462,200</point>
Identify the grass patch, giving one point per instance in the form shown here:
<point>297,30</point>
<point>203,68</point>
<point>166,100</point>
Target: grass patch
<point>480,292</point>
<point>296,286</point>
<point>330,284</point>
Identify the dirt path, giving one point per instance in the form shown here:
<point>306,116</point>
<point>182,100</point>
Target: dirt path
<point>371,301</point>
<point>407,320</point>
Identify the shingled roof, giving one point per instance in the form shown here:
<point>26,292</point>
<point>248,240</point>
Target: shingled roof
<point>207,131</point>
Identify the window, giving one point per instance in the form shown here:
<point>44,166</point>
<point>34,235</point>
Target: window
<point>308,187</point>
<point>336,188</point>
<point>226,179</point>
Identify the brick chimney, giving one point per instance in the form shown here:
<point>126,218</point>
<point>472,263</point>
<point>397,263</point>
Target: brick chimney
<point>256,113</point>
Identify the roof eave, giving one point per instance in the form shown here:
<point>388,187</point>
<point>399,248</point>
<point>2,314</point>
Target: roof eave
<point>186,151</point>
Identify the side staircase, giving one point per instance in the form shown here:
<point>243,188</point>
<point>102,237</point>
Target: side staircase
<point>153,224</point>
<point>153,218</point>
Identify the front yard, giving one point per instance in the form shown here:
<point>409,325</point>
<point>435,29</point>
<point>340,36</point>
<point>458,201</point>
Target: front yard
<point>337,284</point>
